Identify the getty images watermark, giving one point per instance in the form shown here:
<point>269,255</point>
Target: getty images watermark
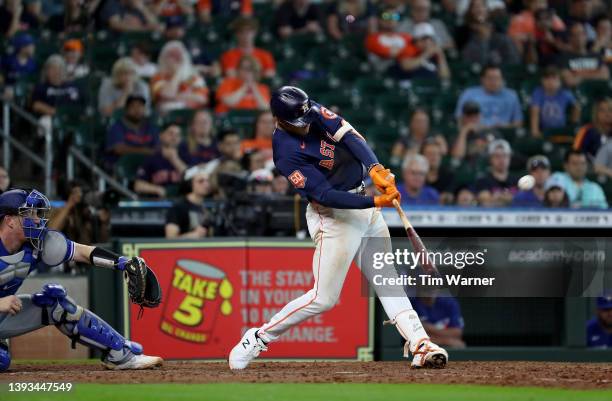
<point>403,258</point>
<point>488,267</point>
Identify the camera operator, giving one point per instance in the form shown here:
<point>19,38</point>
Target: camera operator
<point>79,218</point>
<point>188,218</point>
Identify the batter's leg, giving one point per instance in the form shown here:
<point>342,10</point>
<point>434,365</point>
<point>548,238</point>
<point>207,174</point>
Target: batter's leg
<point>398,308</point>
<point>337,234</point>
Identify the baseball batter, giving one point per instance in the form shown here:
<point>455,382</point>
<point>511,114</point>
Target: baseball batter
<point>326,160</point>
<point>26,244</point>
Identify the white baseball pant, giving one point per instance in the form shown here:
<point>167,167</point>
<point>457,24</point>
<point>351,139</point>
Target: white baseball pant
<point>338,234</point>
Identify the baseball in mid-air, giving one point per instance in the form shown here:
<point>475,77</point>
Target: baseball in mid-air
<point>526,182</point>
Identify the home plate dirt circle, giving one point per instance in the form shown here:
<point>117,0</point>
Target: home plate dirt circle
<point>540,374</point>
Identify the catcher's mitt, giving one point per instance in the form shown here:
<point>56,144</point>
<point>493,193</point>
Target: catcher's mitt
<point>143,286</point>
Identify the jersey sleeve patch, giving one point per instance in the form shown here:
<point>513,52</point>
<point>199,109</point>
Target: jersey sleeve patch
<point>327,113</point>
<point>297,179</point>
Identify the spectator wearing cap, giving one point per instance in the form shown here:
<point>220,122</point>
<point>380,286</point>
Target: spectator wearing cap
<point>245,91</point>
<point>21,62</point>
<point>245,31</point>
<point>73,19</point>
<point>350,17</point>
<point>73,54</point>
<point>188,217</point>
<point>140,54</point>
<point>539,168</point>
<point>131,134</point>
<point>591,136</point>
<point>297,16</point>
<point>420,12</point>
<point>599,328</point>
<point>438,177</point>
<point>582,193</point>
<point>162,172</point>
<point>578,63</point>
<point>387,45</point>
<point>128,16</point>
<point>498,186</point>
<point>499,106</point>
<point>429,62</point>
<point>175,27</point>
<point>555,195</point>
<point>201,145</point>
<point>413,189</point>
<point>122,83</point>
<point>550,103</point>
<point>55,90</point>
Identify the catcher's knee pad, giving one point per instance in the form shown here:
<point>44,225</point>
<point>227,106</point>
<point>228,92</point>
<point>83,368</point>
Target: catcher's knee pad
<point>81,325</point>
<point>5,356</point>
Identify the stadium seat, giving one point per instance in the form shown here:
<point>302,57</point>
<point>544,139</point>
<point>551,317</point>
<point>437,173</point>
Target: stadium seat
<point>127,166</point>
<point>349,69</point>
<point>181,117</point>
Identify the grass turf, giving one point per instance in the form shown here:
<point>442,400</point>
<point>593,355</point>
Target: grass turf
<point>305,392</point>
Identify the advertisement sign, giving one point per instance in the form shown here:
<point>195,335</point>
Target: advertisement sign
<point>214,291</point>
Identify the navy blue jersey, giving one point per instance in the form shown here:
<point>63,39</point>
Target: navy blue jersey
<point>321,160</point>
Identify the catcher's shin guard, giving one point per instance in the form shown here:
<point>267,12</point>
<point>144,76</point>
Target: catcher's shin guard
<point>82,325</point>
<point>5,356</point>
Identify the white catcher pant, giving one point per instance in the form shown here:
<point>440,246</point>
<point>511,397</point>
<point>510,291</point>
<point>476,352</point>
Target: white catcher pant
<point>338,234</point>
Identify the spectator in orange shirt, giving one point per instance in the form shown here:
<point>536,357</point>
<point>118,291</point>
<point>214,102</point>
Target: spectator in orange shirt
<point>262,135</point>
<point>246,30</point>
<point>177,84</point>
<point>388,43</point>
<point>244,92</point>
<point>523,27</point>
<point>225,8</point>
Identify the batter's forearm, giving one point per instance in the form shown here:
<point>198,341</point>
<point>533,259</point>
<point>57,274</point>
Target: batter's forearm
<point>360,149</point>
<point>345,200</point>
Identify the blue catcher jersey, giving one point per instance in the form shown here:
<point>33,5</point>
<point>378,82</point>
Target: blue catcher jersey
<point>14,268</point>
<point>319,160</point>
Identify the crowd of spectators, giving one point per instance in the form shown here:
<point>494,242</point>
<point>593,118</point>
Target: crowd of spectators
<point>473,160</point>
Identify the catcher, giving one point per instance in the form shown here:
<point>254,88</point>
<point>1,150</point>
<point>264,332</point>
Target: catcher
<point>25,244</point>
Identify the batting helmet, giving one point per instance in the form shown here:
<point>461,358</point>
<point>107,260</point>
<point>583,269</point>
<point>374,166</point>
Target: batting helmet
<point>292,105</point>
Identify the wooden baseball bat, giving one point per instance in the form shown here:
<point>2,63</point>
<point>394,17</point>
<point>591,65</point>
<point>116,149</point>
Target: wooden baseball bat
<point>417,244</point>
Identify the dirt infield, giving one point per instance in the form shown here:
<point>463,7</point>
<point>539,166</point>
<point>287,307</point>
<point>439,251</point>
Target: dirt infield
<point>540,374</point>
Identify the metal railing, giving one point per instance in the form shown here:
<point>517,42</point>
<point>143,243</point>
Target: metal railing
<point>74,154</point>
<point>46,162</point>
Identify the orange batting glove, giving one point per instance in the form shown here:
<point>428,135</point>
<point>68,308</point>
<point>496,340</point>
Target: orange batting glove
<point>382,177</point>
<point>386,200</point>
